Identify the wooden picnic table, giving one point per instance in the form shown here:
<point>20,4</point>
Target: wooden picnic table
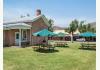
<point>43,46</point>
<point>83,45</point>
<point>59,43</point>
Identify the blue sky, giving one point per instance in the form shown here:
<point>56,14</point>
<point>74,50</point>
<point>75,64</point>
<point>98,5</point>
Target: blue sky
<point>61,11</point>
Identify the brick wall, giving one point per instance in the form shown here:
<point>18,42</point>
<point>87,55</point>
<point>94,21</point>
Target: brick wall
<point>37,26</point>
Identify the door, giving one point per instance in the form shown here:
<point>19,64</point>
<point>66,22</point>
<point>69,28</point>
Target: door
<point>16,38</point>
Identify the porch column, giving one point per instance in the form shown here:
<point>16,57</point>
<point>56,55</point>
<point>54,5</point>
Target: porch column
<point>30,37</point>
<point>19,37</point>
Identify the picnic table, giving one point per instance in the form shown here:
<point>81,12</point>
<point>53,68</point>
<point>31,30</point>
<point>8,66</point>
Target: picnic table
<point>43,46</point>
<point>60,43</point>
<point>84,45</point>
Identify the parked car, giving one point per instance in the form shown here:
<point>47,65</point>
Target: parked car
<point>80,40</point>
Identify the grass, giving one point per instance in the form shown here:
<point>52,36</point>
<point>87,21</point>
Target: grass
<point>70,58</point>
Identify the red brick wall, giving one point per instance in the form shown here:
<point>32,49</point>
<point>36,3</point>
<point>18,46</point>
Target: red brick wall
<point>6,37</point>
<point>9,36</point>
<point>37,26</point>
<point>12,36</point>
<point>28,35</point>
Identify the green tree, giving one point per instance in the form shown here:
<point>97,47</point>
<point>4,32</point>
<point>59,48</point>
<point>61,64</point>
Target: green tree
<point>88,27</point>
<point>76,22</point>
<point>80,28</point>
<point>73,26</point>
<point>67,29</point>
<point>84,28</point>
<point>93,30</point>
<point>50,28</point>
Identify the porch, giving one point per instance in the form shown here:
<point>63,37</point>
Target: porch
<point>17,34</point>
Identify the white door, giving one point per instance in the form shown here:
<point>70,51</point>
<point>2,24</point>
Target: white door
<point>16,38</point>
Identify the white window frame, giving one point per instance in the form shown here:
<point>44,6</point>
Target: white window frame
<point>23,34</point>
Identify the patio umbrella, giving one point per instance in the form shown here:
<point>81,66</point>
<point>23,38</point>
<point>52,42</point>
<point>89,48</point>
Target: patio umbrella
<point>44,33</point>
<point>61,34</point>
<point>88,34</point>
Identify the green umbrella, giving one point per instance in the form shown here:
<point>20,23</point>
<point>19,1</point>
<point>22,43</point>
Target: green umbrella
<point>61,34</point>
<point>88,34</point>
<point>44,33</point>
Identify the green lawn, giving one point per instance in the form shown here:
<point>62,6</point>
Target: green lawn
<point>70,58</point>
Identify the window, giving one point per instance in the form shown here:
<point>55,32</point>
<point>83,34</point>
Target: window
<point>24,34</point>
<point>17,36</point>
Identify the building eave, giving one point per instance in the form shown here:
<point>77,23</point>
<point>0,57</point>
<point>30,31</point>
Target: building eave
<point>28,20</point>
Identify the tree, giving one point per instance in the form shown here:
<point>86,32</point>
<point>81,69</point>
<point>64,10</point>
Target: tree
<point>80,28</point>
<point>76,22</point>
<point>88,27</point>
<point>67,29</point>
<point>73,26</point>
<point>50,28</point>
<point>84,28</point>
<point>93,30</point>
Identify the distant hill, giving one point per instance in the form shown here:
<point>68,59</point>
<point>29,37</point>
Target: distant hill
<point>58,28</point>
<point>93,24</point>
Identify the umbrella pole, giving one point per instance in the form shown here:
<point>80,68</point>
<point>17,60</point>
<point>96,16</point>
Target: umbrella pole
<point>46,39</point>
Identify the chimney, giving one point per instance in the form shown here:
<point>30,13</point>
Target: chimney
<point>38,12</point>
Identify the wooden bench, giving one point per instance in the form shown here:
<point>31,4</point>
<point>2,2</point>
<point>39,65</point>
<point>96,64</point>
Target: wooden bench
<point>51,46</point>
<point>43,46</point>
<point>35,47</point>
<point>88,46</point>
<point>61,44</point>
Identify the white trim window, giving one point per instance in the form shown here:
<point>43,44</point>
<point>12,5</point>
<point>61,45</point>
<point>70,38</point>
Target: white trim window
<point>24,35</point>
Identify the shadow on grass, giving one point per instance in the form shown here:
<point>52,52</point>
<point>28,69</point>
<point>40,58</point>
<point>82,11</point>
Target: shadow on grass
<point>41,50</point>
<point>92,49</point>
